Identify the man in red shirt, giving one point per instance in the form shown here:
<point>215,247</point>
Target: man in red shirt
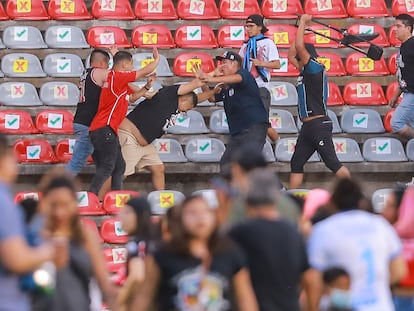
<point>116,93</point>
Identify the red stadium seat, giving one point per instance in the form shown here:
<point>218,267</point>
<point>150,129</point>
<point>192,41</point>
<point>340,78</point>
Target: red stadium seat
<point>195,36</point>
<point>88,204</point>
<point>3,15</point>
<point>34,151</point>
<point>16,122</point>
<point>392,63</point>
<point>319,40</point>
<point>333,64</point>
<point>55,121</point>
<point>115,258</point>
<point>281,9</point>
<point>26,10</point>
<point>64,150</point>
<point>68,10</point>
<point>364,93</point>
<point>391,90</point>
<point>367,8</point>
<point>392,38</point>
<point>115,200</point>
<point>92,225</point>
<point>357,29</point>
<point>112,9</point>
<point>197,9</point>
<point>20,196</point>
<point>387,120</point>
<point>357,64</point>
<point>184,62</point>
<point>286,68</point>
<point>335,96</point>
<point>402,6</point>
<point>152,35</point>
<point>282,34</point>
<point>111,232</point>
<point>231,36</point>
<point>238,9</point>
<point>106,36</point>
<point>155,10</point>
<point>325,8</point>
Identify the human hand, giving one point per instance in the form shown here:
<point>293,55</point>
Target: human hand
<point>113,50</point>
<point>199,73</point>
<point>256,62</point>
<point>155,53</point>
<point>61,247</point>
<point>149,94</point>
<point>150,81</point>
<point>306,18</point>
<point>218,88</point>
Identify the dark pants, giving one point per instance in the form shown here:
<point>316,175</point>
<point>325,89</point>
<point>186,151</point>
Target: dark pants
<point>315,135</point>
<point>108,159</point>
<point>254,135</point>
<point>266,98</point>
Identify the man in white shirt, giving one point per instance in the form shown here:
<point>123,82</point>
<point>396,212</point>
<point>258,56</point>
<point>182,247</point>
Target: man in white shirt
<point>363,244</point>
<point>260,55</point>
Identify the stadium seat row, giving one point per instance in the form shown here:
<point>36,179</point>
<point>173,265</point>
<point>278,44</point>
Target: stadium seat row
<point>198,9</point>
<point>186,36</point>
<point>209,150</point>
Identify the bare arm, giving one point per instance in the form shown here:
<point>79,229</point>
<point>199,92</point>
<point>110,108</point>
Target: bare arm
<point>146,295</point>
<point>100,76</point>
<point>230,79</point>
<point>19,258</point>
<point>150,67</point>
<point>398,269</point>
<point>140,91</point>
<point>292,56</point>
<point>136,276</point>
<point>189,87</point>
<point>274,64</point>
<point>245,297</point>
<point>300,39</point>
<point>312,285</point>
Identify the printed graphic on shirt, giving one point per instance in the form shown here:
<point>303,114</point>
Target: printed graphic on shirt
<point>198,290</point>
<point>178,118</point>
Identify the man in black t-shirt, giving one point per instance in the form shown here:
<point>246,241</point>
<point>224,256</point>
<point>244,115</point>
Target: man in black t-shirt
<point>148,121</point>
<point>402,121</point>
<point>276,252</point>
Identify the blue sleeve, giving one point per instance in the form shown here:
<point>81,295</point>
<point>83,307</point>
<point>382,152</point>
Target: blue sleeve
<point>313,67</point>
<point>11,221</point>
<point>220,96</point>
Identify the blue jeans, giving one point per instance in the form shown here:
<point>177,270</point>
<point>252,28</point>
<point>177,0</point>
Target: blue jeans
<point>404,113</point>
<point>403,303</point>
<point>82,150</point>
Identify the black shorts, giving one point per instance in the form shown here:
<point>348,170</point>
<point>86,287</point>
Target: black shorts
<point>315,135</point>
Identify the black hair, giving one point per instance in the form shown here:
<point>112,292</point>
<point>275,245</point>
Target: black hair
<point>29,207</point>
<point>60,182</point>
<point>194,98</point>
<point>99,52</point>
<point>346,195</point>
<point>4,145</point>
<point>332,274</point>
<point>142,211</point>
<point>122,56</point>
<point>406,19</point>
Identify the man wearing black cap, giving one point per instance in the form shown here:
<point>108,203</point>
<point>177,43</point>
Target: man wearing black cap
<point>246,115</point>
<point>316,131</point>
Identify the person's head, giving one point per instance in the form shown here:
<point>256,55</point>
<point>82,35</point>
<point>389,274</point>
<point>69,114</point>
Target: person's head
<point>59,195</point>
<point>347,195</point>
<point>187,101</point>
<point>29,207</point>
<point>262,193</point>
<point>392,203</point>
<point>311,50</point>
<point>337,283</point>
<point>8,163</point>
<point>135,218</point>
<point>255,25</point>
<point>403,27</point>
<point>230,62</point>
<point>123,61</point>
<point>99,59</point>
<point>193,220</point>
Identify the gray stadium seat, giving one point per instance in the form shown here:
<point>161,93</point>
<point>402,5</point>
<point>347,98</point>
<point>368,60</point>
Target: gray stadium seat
<point>23,37</point>
<point>285,147</point>
<point>59,93</point>
<point>383,149</point>
<point>65,37</point>
<point>63,65</point>
<point>2,46</point>
<point>268,152</point>
<point>362,121</point>
<point>209,195</point>
<point>19,94</point>
<point>218,122</point>
<point>156,86</point>
<point>169,150</point>
<point>336,128</point>
<point>22,65</point>
<point>379,197</point>
<point>162,200</point>
<point>347,150</point>
<point>409,149</point>
<point>283,93</point>
<point>1,74</point>
<point>282,121</point>
<point>191,122</point>
<point>204,149</point>
<point>141,60</point>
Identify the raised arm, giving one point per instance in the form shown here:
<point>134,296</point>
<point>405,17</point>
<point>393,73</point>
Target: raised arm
<point>300,39</point>
<point>150,67</point>
<point>189,87</point>
<point>292,56</point>
<point>138,92</point>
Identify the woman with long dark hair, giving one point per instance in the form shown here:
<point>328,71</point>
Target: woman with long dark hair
<point>197,268</point>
